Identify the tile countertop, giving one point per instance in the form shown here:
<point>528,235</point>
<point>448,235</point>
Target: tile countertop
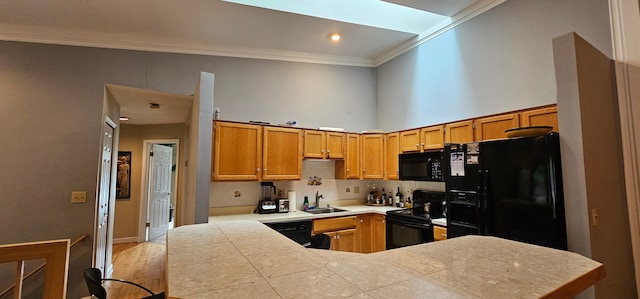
<point>302,215</point>
<point>246,259</point>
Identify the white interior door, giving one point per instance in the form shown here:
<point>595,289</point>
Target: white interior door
<point>102,212</point>
<point>160,190</point>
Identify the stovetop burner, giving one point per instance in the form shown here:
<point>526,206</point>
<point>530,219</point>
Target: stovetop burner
<point>415,214</point>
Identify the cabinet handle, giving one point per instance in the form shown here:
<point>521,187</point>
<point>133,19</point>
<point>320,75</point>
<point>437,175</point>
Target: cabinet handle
<point>417,145</point>
<point>423,146</point>
<point>348,170</point>
<point>338,237</point>
<point>258,170</point>
<point>322,151</point>
<point>364,170</point>
<point>361,221</point>
<point>382,221</point>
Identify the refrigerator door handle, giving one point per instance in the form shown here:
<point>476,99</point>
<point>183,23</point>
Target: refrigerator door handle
<point>484,201</point>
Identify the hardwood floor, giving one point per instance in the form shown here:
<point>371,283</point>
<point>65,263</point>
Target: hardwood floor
<point>142,263</point>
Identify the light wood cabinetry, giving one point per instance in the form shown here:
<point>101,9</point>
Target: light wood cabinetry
<point>371,233</point>
<point>420,140</point>
<point>324,145</point>
<point>391,151</point>
<point>493,127</point>
<point>459,132</point>
<point>439,233</point>
<point>349,167</point>
<point>341,230</point>
<point>540,117</point>
<point>237,151</point>
<point>372,157</point>
<point>282,153</point>
<point>432,138</point>
<point>344,240</point>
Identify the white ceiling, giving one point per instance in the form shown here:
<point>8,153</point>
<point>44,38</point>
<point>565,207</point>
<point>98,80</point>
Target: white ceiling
<point>220,28</point>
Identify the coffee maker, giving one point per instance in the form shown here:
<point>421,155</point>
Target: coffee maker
<point>266,204</point>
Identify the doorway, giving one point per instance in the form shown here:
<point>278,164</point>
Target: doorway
<point>159,188</point>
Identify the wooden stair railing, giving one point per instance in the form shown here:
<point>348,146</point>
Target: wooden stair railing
<point>56,255</point>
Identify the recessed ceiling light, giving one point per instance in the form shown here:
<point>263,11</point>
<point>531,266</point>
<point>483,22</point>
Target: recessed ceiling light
<point>335,36</point>
<point>124,118</point>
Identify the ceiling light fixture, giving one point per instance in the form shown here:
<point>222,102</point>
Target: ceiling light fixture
<point>124,118</point>
<point>335,37</point>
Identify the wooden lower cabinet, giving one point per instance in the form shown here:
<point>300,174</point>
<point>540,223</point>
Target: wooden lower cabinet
<point>439,233</point>
<point>344,240</point>
<point>371,233</point>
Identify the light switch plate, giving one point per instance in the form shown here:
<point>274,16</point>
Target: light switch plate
<point>79,197</point>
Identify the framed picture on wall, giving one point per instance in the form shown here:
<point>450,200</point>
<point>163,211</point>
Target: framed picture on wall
<point>123,182</point>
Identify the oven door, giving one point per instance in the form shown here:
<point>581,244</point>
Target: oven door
<point>403,232</point>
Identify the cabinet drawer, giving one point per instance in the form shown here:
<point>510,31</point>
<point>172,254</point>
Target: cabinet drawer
<point>439,233</point>
<point>333,224</point>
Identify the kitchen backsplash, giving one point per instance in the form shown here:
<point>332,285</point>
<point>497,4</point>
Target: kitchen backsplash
<point>317,175</point>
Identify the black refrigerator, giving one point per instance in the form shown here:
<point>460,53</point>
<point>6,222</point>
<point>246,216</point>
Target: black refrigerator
<point>508,188</point>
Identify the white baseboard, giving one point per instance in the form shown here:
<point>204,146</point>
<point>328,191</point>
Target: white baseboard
<point>125,240</point>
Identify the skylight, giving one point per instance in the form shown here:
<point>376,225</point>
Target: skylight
<point>373,13</point>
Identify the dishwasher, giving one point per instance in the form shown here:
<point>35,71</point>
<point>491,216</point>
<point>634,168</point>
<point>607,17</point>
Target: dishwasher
<point>298,231</point>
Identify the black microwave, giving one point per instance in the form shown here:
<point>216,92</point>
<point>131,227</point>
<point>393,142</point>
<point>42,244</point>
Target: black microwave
<point>427,166</point>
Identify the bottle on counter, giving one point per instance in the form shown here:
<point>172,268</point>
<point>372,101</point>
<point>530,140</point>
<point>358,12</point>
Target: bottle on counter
<point>409,204</point>
<point>305,204</point>
<point>390,199</point>
<point>383,198</point>
<point>398,197</point>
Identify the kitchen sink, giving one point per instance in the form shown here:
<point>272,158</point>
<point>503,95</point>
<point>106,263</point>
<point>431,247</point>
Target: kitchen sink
<point>325,210</point>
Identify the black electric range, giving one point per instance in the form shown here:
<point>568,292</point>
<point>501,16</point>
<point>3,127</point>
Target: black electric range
<point>413,226</point>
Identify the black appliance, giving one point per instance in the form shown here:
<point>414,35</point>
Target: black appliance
<point>413,226</point>
<point>267,204</point>
<point>509,188</point>
<point>427,166</point>
<point>298,231</point>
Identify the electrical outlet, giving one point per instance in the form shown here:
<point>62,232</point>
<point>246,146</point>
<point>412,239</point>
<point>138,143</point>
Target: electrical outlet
<point>356,189</point>
<point>594,217</point>
<point>79,197</point>
<point>280,192</point>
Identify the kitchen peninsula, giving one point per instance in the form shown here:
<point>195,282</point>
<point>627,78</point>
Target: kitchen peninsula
<point>246,259</point>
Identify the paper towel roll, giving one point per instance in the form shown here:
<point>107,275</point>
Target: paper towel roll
<point>292,201</point>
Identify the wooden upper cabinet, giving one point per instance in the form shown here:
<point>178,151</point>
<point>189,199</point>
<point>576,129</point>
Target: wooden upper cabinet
<point>420,140</point>
<point>237,151</point>
<point>314,144</point>
<point>324,145</point>
<point>349,167</point>
<point>336,145</point>
<point>372,157</point>
<point>282,153</point>
<point>459,132</point>
<point>391,151</point>
<point>410,141</point>
<point>493,127</point>
<point>540,117</point>
<point>432,138</point>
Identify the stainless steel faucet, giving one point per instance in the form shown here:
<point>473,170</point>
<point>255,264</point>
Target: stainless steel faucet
<point>318,196</point>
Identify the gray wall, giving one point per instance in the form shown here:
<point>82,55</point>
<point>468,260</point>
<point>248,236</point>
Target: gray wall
<point>499,61</point>
<point>52,105</point>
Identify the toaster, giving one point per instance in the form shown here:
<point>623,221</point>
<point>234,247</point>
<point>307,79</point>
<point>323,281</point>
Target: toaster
<point>267,206</point>
<point>283,205</point>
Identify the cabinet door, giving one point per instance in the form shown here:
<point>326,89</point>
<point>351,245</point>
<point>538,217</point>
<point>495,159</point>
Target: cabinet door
<point>237,151</point>
<point>349,168</point>
<point>365,238</point>
<point>372,156</point>
<point>410,141</point>
<point>379,233</point>
<point>282,153</point>
<point>540,117</point>
<point>493,127</point>
<point>314,144</point>
<point>439,233</point>
<point>392,149</point>
<point>432,138</point>
<point>347,240</point>
<point>335,145</point>
<point>460,132</point>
